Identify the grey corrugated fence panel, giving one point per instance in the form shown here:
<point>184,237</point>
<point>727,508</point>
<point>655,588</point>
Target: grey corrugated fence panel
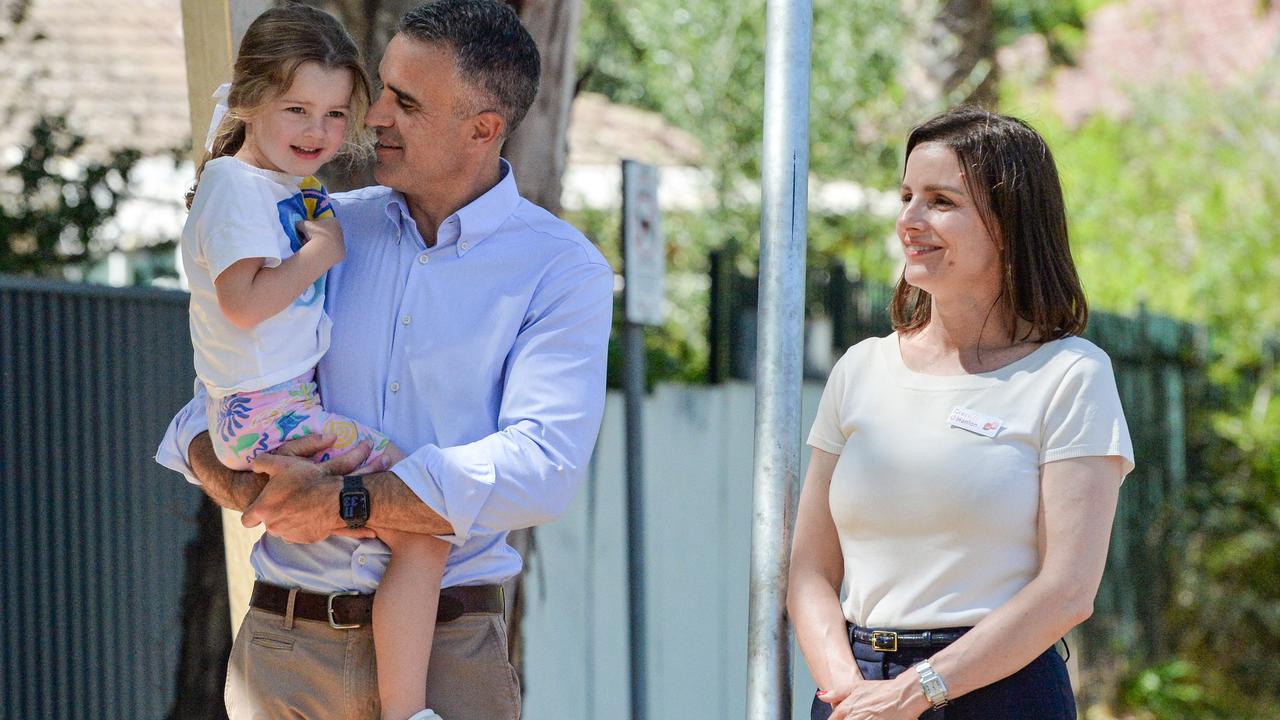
<point>94,530</point>
<point>698,469</point>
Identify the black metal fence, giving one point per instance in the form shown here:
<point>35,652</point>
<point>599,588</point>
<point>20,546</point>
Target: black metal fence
<point>1160,371</point>
<point>91,581</point>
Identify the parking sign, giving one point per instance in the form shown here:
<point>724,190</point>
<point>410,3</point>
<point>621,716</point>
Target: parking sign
<point>644,251</point>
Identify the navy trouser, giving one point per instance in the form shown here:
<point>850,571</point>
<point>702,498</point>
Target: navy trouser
<point>1039,691</point>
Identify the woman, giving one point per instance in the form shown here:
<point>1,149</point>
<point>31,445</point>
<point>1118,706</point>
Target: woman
<point>965,469</point>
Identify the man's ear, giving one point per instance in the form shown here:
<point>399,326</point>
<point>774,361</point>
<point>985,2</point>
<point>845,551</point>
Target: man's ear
<point>488,127</point>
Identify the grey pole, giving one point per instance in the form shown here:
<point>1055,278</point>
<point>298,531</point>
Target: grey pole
<point>633,370</point>
<point>644,260</point>
<point>783,219</point>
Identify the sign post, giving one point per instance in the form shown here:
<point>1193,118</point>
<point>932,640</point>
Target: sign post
<point>644,258</point>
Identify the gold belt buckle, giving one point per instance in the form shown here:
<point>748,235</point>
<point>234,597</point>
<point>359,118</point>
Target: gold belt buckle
<point>884,641</point>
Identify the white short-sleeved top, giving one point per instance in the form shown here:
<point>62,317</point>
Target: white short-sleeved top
<point>241,211</point>
<point>937,488</point>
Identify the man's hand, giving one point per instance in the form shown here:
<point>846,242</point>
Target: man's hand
<point>237,489</point>
<point>309,447</point>
<point>231,489</point>
<point>299,503</point>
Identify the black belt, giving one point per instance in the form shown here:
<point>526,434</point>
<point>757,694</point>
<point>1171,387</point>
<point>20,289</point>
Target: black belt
<point>347,610</point>
<point>892,641</point>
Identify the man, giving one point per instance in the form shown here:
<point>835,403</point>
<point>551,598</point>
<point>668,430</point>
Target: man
<point>470,326</point>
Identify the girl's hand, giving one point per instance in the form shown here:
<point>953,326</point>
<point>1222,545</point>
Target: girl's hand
<point>325,233</point>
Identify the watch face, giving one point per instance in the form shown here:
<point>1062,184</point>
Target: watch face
<point>354,506</point>
<point>934,689</point>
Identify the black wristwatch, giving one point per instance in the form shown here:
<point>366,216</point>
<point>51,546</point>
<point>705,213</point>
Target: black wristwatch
<point>353,502</point>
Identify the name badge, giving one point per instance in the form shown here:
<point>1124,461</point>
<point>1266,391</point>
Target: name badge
<point>974,422</point>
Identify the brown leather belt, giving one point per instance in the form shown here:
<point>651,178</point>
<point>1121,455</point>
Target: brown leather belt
<point>348,610</point>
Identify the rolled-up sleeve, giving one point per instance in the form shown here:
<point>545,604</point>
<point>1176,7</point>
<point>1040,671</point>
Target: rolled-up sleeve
<point>527,472</point>
<point>185,426</point>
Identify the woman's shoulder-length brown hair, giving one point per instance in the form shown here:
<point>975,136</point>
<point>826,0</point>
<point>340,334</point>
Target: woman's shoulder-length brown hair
<point>1010,174</point>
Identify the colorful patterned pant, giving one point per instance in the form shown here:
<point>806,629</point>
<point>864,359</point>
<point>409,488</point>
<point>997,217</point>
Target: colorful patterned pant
<point>244,425</point>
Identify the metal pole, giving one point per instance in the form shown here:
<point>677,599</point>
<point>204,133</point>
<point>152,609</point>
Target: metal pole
<point>633,368</point>
<point>644,257</point>
<point>783,218</point>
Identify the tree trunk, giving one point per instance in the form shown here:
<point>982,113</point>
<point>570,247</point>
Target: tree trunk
<point>206,623</point>
<point>538,148</point>
<point>950,55</point>
<point>537,151</point>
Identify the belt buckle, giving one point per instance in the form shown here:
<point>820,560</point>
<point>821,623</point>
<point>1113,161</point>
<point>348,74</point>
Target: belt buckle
<point>884,641</point>
<point>329,606</point>
<point>449,609</point>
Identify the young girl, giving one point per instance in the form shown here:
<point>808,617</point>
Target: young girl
<point>260,238</point>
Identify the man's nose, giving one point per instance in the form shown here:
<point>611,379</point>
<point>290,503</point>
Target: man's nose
<point>378,114</point>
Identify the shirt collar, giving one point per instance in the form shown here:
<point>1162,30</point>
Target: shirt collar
<point>472,224</point>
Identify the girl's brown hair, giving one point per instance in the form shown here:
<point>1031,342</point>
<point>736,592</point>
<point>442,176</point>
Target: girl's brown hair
<point>1010,174</point>
<point>277,43</point>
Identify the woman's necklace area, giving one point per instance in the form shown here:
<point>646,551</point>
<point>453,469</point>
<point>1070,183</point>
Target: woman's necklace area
<point>971,360</point>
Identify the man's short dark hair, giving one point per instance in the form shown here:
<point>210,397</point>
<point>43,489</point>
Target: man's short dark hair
<point>493,50</point>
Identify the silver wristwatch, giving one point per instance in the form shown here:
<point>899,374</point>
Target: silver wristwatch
<point>934,688</point>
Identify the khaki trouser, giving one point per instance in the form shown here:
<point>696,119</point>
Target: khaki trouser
<point>306,669</point>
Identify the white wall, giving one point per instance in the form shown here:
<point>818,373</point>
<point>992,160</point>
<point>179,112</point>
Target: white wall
<point>698,474</point>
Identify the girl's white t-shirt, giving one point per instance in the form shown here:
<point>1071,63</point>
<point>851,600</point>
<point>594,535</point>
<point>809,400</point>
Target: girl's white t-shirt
<point>936,491</point>
<point>241,211</point>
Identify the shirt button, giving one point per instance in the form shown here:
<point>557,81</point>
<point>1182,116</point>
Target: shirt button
<point>394,387</point>
<point>362,560</point>
<point>422,259</point>
<point>465,244</point>
<point>406,320</point>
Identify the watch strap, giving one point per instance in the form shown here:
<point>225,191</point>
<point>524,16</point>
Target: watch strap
<point>353,485</point>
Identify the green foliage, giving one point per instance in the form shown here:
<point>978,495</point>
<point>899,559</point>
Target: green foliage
<point>1175,207</point>
<point>54,201</point>
<point>1060,21</point>
<point>1171,691</point>
<point>700,64</point>
<point>1228,608</point>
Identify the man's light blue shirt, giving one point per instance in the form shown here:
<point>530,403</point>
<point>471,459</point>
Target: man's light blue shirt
<point>483,357</point>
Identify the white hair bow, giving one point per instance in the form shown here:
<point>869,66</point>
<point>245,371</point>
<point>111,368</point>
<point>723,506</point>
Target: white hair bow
<point>219,111</point>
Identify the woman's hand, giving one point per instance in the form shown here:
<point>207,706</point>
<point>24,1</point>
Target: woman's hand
<point>836,695</point>
<point>897,699</point>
